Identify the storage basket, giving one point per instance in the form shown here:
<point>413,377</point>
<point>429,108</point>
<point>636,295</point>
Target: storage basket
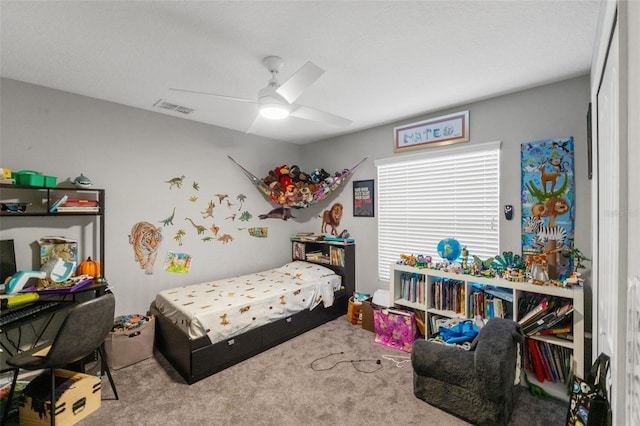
<point>127,346</point>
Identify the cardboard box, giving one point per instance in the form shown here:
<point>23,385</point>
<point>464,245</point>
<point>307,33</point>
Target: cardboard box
<point>81,396</point>
<point>367,315</point>
<point>126,347</point>
<point>64,248</point>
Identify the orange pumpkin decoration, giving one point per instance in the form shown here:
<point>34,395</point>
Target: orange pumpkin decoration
<point>89,267</point>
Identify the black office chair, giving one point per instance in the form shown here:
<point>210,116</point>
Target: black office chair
<point>83,331</point>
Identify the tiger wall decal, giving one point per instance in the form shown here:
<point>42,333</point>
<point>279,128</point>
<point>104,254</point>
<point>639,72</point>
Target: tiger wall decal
<point>145,239</point>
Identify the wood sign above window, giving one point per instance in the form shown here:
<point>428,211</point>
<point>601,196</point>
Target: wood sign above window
<point>445,130</point>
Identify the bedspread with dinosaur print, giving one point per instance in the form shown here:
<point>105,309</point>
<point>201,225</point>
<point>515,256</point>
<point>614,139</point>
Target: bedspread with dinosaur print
<point>225,308</point>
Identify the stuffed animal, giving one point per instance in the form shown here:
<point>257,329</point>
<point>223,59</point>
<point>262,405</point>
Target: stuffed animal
<point>294,173</point>
<point>319,175</point>
<point>303,177</point>
<point>306,194</point>
<point>283,177</point>
<point>271,180</point>
<point>298,175</point>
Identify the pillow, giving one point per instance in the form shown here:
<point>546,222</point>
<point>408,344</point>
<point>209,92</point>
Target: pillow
<point>305,271</point>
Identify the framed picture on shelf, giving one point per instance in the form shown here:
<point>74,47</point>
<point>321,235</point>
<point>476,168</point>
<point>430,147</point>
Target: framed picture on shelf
<point>363,197</point>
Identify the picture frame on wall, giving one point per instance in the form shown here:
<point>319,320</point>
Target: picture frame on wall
<point>363,198</point>
<point>439,131</point>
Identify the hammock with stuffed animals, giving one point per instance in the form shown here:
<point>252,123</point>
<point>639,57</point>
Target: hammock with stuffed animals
<point>305,198</point>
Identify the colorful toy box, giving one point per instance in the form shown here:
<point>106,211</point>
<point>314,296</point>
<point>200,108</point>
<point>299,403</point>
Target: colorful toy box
<point>64,248</point>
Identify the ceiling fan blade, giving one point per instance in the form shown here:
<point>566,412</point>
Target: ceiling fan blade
<point>299,81</point>
<point>254,125</point>
<point>231,98</point>
<point>321,116</point>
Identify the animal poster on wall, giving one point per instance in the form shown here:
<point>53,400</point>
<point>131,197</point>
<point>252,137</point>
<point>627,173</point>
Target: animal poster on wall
<point>548,202</point>
<point>145,239</point>
<point>177,262</point>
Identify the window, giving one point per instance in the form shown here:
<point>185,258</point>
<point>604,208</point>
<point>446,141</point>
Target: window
<point>449,193</point>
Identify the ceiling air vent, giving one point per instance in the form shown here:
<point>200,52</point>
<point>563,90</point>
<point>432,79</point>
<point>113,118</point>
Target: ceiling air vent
<point>173,107</point>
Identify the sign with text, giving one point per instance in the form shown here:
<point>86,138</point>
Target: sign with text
<point>445,130</point>
<point>363,198</point>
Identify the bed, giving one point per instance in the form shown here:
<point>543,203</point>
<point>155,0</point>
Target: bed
<point>204,328</point>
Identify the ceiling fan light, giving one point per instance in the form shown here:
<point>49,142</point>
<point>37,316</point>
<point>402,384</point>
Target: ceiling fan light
<point>274,111</point>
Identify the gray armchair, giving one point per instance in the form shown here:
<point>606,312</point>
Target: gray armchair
<point>480,386</point>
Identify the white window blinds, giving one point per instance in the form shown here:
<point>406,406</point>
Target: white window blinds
<point>424,198</point>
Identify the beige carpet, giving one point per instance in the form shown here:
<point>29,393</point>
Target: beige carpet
<point>279,387</point>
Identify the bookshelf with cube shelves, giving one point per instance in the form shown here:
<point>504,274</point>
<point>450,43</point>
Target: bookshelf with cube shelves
<point>456,299</point>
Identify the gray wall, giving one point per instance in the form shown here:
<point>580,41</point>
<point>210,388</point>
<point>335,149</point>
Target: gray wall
<point>131,153</point>
<point>550,111</point>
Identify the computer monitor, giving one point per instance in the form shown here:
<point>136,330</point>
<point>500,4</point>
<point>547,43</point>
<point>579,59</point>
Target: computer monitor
<point>7,260</point>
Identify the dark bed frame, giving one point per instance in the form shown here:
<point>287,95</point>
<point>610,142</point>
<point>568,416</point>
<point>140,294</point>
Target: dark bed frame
<point>195,359</point>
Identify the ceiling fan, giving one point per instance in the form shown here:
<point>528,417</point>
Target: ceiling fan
<point>276,100</point>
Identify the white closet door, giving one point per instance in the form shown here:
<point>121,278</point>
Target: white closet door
<point>609,210</point>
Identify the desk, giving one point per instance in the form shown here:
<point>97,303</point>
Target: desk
<point>13,320</point>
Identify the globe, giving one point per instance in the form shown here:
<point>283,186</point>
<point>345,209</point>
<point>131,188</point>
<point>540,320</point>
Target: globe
<point>449,249</point>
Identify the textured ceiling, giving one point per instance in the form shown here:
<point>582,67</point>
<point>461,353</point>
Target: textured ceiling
<point>384,60</point>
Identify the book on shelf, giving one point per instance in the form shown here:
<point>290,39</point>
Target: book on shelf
<point>489,302</point>
<point>553,317</point>
<point>536,358</point>
<point>76,202</point>
<point>318,257</point>
<point>449,295</point>
<point>298,251</point>
<point>554,331</point>
<point>412,287</point>
<point>336,255</point>
<point>58,203</point>
<point>549,362</point>
<point>534,313</point>
<point>306,236</point>
<point>497,292</point>
<point>547,359</point>
<point>555,351</point>
<point>77,209</point>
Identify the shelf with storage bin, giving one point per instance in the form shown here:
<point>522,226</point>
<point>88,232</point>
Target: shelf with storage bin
<point>460,291</point>
<point>38,202</point>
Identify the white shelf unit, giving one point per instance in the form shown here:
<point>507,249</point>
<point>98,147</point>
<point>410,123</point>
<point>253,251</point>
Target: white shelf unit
<point>517,290</point>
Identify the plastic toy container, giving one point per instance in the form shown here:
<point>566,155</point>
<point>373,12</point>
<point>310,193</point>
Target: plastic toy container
<point>50,181</point>
<point>32,178</point>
